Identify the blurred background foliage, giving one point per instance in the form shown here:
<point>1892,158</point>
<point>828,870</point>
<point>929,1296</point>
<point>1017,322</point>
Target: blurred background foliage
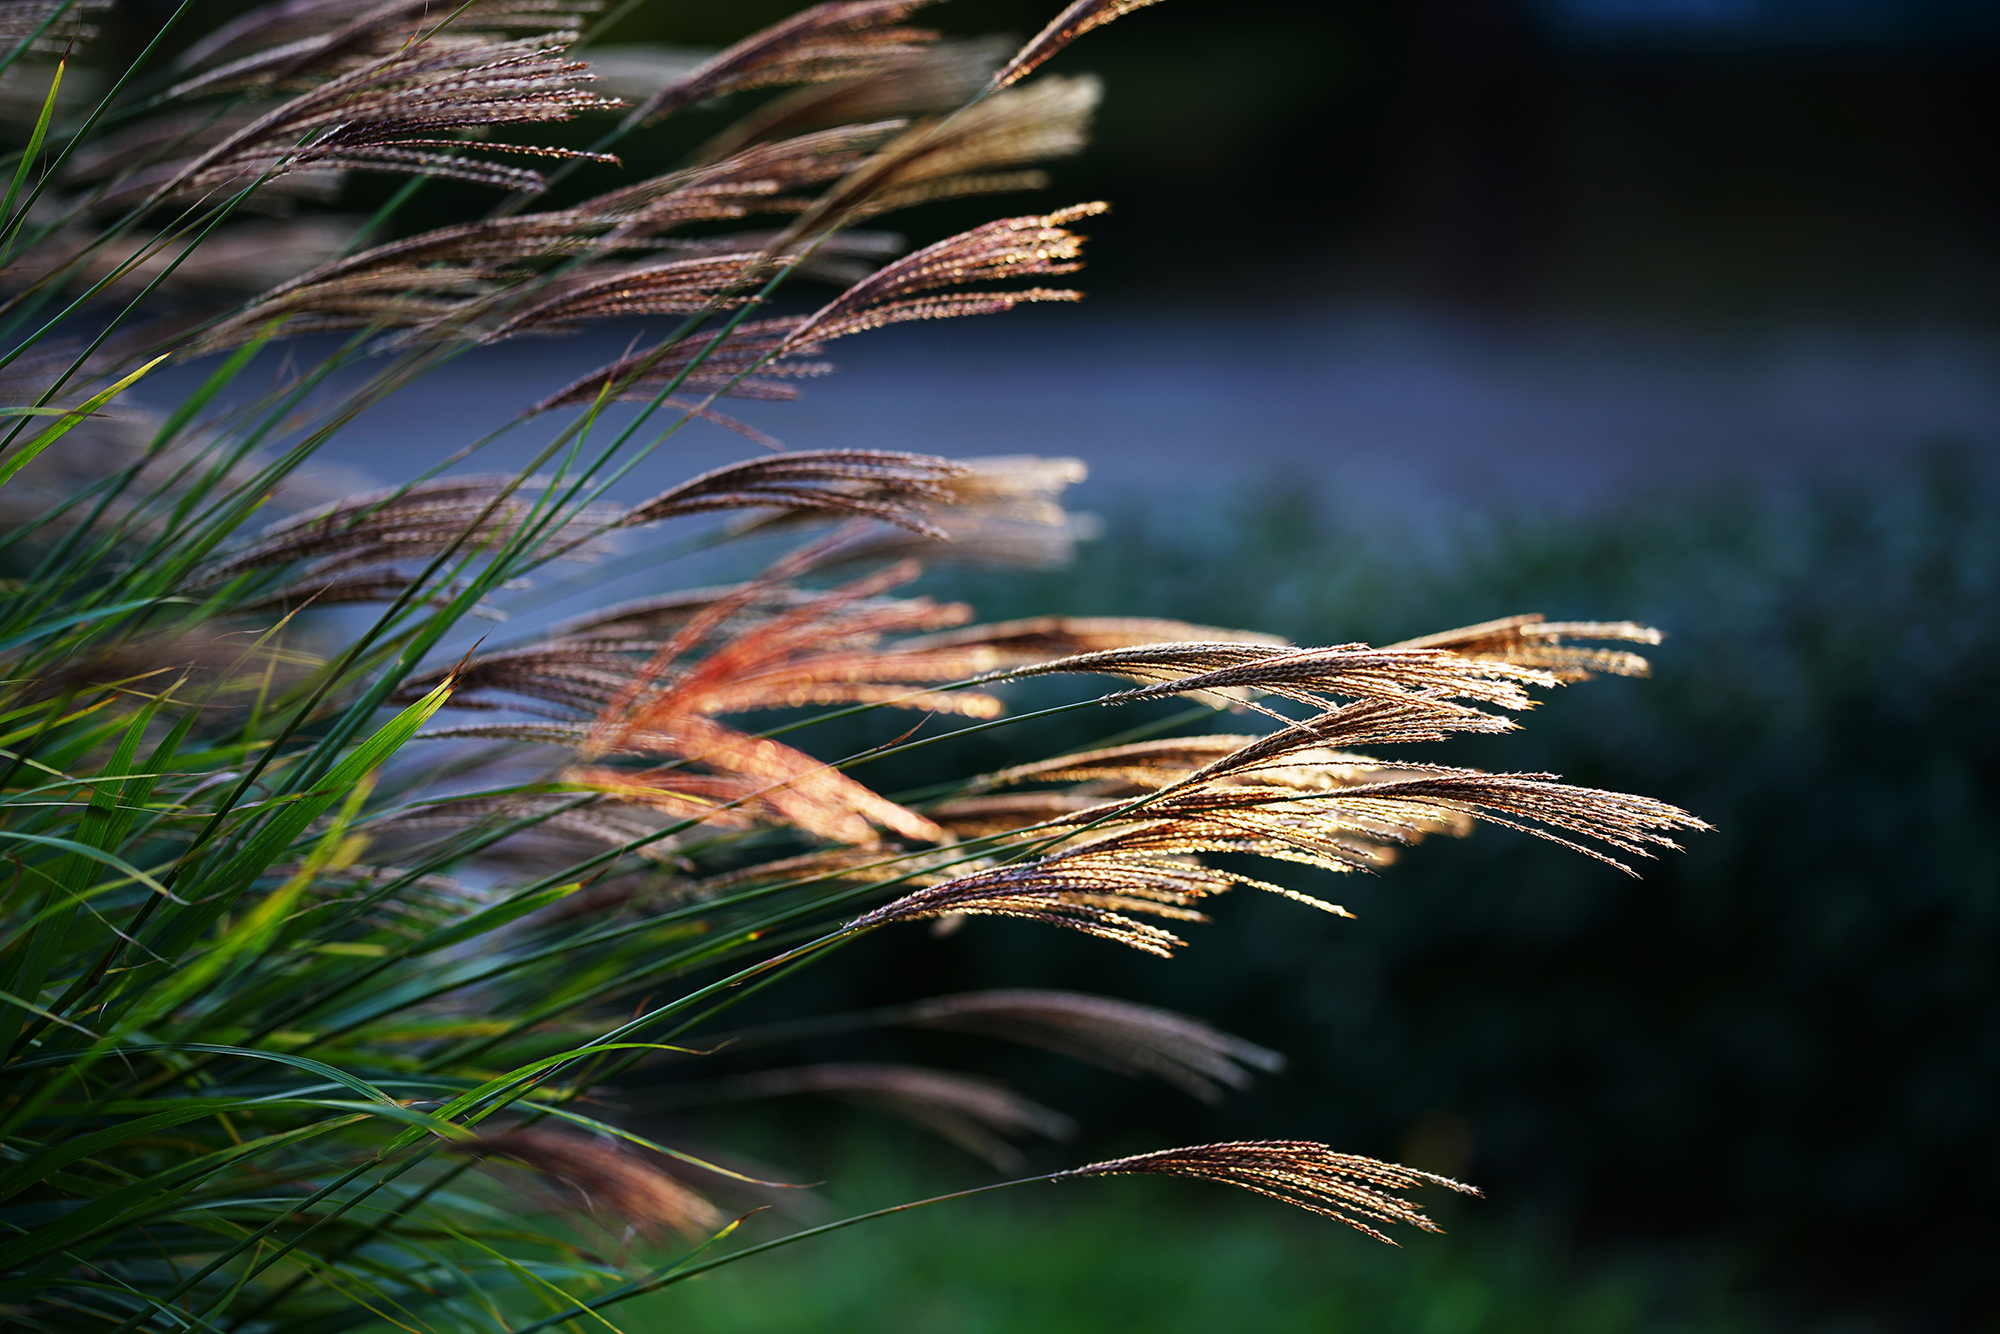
<point>1778,1047</point>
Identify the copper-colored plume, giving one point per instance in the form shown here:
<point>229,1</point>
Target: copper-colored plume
<point>1118,1035</point>
<point>614,1185</point>
<point>842,40</point>
<point>754,780</point>
<point>645,623</point>
<point>822,651</point>
<point>1342,1186</point>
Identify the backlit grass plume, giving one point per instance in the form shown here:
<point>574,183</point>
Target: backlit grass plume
<point>1342,1186</point>
<point>378,887</point>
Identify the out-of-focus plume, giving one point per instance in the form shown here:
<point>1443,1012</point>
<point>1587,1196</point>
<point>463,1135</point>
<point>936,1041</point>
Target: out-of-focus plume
<point>634,71</point>
<point>1063,29</point>
<point>970,1112</point>
<point>1341,1186</point>
<point>346,545</point>
<point>219,670</point>
<point>755,180</point>
<point>967,154</point>
<point>1004,812</point>
<point>241,257</point>
<point>62,487</point>
<point>387,525</point>
<point>1118,1035</point>
<point>47,26</point>
<point>842,40</point>
<point>929,79</point>
<point>108,175</point>
<point>615,1186</point>
<point>554,829</point>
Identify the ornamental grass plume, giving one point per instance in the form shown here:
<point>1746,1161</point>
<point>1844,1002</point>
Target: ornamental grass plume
<point>336,913</point>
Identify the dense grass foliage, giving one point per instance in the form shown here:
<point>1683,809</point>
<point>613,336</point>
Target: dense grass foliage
<point>350,953</point>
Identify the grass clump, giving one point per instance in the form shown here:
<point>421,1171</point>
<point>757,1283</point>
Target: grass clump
<point>334,927</point>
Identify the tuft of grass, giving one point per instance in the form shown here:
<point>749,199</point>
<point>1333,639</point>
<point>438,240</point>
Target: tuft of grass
<point>337,932</point>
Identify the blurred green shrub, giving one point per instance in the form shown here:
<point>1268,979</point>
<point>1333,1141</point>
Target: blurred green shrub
<point>1136,1257</point>
<point>1785,1037</point>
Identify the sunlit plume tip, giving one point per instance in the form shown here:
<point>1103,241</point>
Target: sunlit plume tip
<point>1341,1186</point>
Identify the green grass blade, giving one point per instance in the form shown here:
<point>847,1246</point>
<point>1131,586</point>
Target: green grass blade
<point>29,156</point>
<point>22,456</point>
